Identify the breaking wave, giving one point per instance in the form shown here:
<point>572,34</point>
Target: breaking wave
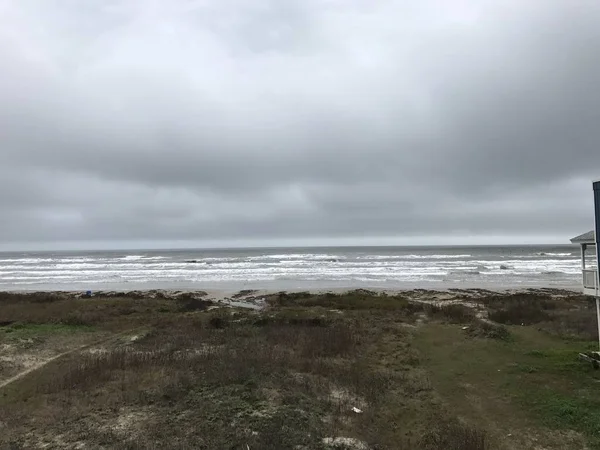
<point>332,266</point>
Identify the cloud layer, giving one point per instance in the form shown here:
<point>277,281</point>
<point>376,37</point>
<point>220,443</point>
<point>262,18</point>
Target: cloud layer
<point>297,121</point>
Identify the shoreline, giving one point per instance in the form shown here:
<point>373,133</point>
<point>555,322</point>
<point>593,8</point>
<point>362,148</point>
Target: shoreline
<point>312,287</point>
<point>244,296</point>
<point>257,299</point>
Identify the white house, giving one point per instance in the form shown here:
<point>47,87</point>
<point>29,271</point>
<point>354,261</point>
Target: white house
<point>590,256</point>
<point>589,264</point>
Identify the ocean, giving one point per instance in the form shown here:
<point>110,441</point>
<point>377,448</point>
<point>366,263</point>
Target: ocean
<point>294,268</point>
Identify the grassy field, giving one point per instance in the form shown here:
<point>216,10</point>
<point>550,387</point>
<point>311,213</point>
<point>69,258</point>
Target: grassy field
<point>417,370</point>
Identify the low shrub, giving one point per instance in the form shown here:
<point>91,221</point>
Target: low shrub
<point>519,314</point>
<point>453,313</point>
<point>485,329</point>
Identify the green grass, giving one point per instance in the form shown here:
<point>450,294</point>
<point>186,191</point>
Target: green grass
<point>561,391</point>
<point>567,412</point>
<point>532,380</point>
<point>354,300</point>
<point>25,330</point>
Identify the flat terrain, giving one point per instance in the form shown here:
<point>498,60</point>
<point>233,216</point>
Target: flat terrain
<point>462,369</point>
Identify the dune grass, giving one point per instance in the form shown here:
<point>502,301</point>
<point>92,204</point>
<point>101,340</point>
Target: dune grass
<point>423,376</point>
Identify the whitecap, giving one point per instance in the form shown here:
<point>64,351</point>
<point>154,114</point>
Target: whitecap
<point>132,257</point>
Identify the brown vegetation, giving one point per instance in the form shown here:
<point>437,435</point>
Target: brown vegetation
<point>286,377</point>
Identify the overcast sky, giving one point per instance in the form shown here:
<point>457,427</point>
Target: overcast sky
<point>275,122</point>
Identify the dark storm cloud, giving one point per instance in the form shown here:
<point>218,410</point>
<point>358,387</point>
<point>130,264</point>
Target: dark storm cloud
<point>244,120</point>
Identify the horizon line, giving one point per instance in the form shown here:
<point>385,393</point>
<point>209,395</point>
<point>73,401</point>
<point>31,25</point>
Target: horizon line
<point>277,247</point>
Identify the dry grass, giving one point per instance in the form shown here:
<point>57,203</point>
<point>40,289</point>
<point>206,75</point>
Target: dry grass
<point>286,377</point>
<point>569,316</point>
<point>229,380</point>
<point>490,330</point>
<point>454,435</point>
<point>519,314</point>
<point>116,310</point>
<point>452,313</point>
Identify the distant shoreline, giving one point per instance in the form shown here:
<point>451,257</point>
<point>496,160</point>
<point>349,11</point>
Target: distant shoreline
<point>227,294</point>
<point>228,288</point>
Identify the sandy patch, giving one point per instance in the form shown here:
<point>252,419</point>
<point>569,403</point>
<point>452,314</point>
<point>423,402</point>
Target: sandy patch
<point>97,351</point>
<point>7,348</point>
<point>17,362</point>
<point>129,420</point>
<point>344,397</point>
<point>345,442</point>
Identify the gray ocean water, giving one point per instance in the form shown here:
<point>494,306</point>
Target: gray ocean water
<point>294,268</point>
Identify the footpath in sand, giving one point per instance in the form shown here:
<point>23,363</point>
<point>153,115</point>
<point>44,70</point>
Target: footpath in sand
<point>34,363</point>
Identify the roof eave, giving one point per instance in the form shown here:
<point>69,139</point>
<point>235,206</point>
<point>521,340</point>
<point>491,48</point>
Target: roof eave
<point>585,238</point>
<point>573,241</point>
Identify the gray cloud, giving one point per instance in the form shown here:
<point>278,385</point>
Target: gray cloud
<point>297,121</point>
